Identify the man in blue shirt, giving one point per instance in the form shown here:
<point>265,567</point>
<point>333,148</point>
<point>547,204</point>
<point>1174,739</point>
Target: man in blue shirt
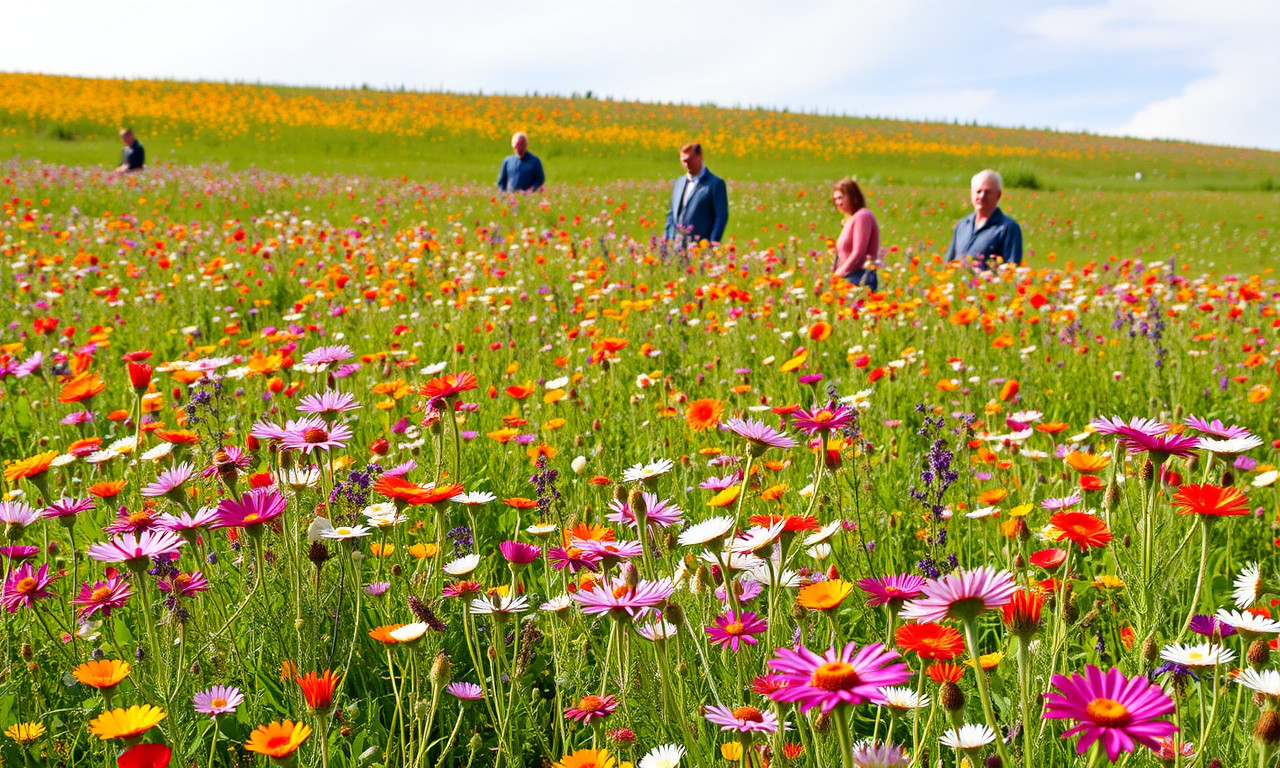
<point>134,157</point>
<point>699,201</point>
<point>521,172</point>
<point>986,238</point>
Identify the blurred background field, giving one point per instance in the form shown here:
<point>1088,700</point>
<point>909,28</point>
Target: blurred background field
<point>1078,196</point>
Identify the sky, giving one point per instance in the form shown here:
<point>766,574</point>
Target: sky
<point>1166,69</point>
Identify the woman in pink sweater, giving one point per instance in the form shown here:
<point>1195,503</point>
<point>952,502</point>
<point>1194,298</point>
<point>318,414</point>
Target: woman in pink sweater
<point>858,246</point>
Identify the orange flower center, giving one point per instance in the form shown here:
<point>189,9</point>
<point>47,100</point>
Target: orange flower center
<point>315,435</point>
<point>182,580</point>
<point>749,714</point>
<point>101,593</point>
<point>276,742</point>
<point>1108,713</point>
<point>823,417</point>
<point>218,703</point>
<point>733,629</point>
<point>621,591</point>
<point>834,676</point>
<point>591,704</point>
<point>26,587</point>
<point>139,518</point>
<point>252,517</point>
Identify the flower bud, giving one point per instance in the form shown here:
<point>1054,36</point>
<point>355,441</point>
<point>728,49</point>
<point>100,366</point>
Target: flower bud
<point>1148,472</point>
<point>674,614</point>
<point>635,500</point>
<point>1267,729</point>
<point>1150,649</point>
<point>1259,654</point>
<point>951,696</point>
<point>441,671</point>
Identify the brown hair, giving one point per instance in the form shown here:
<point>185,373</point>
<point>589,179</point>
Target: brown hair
<point>851,192</point>
<point>693,147</point>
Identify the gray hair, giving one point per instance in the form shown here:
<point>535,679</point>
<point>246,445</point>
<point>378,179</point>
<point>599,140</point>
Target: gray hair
<point>519,135</point>
<point>982,175</point>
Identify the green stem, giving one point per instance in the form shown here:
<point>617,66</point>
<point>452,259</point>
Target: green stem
<point>971,637</point>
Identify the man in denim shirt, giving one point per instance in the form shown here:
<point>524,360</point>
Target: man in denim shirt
<point>986,238</point>
<point>521,172</point>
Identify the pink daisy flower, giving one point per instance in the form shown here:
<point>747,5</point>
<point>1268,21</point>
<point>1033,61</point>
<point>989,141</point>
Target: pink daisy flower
<point>1216,428</point>
<point>518,553</point>
<point>218,700</point>
<point>67,508</point>
<point>1161,446</point>
<point>106,595</point>
<point>185,584</point>
<point>25,585</point>
<point>465,691</point>
<point>760,436</point>
<point>894,590</point>
<point>572,558</point>
<point>610,552</point>
<point>731,630</point>
<point>314,434</point>
<point>1118,711</point>
<point>329,402</point>
<point>619,599</point>
<point>228,459</point>
<point>742,719</point>
<point>185,522</point>
<point>170,482</point>
<point>17,514</point>
<point>591,708</point>
<point>825,419</point>
<point>845,676</point>
<point>962,594</point>
<point>19,552</point>
<point>137,550</point>
<point>133,522</point>
<point>1137,425</point>
<point>335,353</point>
<point>253,508</point>
<point>661,513</point>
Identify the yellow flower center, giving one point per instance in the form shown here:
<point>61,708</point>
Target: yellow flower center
<point>823,417</point>
<point>315,435</point>
<point>1108,713</point>
<point>749,714</point>
<point>182,580</point>
<point>218,703</point>
<point>733,629</point>
<point>26,587</point>
<point>252,517</point>
<point>101,593</point>
<point>139,518</point>
<point>834,676</point>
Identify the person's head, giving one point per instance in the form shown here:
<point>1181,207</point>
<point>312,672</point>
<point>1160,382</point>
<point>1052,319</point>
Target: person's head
<point>847,196</point>
<point>691,157</point>
<point>984,192</point>
<point>520,143</point>
<point>127,137</point>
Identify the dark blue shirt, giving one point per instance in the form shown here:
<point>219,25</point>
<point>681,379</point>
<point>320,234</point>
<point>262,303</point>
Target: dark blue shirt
<point>134,156</point>
<point>1000,236</point>
<point>521,174</point>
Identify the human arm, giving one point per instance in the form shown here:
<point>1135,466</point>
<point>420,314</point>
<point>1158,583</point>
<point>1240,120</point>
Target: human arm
<point>538,177</point>
<point>502,177</point>
<point>1013,244</point>
<point>670,232</point>
<point>720,200</point>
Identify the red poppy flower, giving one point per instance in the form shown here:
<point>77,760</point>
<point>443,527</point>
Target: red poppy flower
<point>145,756</point>
<point>1210,501</point>
<point>930,641</point>
<point>1049,559</point>
<point>1082,529</point>
<point>318,690</point>
<point>449,385</point>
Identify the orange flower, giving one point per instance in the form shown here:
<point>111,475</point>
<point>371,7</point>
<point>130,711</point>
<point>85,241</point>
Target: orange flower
<point>1022,614</point>
<point>449,385</point>
<point>1009,390</point>
<point>102,673</point>
<point>1052,427</point>
<point>81,388</point>
<point>588,532</point>
<point>1082,529</point>
<point>318,690</point>
<point>1210,501</point>
<point>930,641</point>
<point>964,316</point>
<point>1087,463</point>
<point>824,595</point>
<point>993,496</point>
<point>520,503</point>
<point>519,391</point>
<point>946,673</point>
<point>383,634</point>
<point>30,467</point>
<point>726,497</point>
<point>108,489</point>
<point>820,331</point>
<point>278,740</point>
<point>703,414</point>
<point>441,493</point>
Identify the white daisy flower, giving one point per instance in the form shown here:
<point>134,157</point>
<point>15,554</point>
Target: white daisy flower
<point>474,498</point>
<point>1198,655</point>
<point>345,532</point>
<point>903,698</point>
<point>1233,447</point>
<point>1249,586</point>
<point>409,632</point>
<point>300,478</point>
<point>157,452</point>
<point>763,575</point>
<point>756,538</point>
<point>966,736</point>
<point>657,630</point>
<point>823,533</point>
<point>641,472</point>
<point>100,457</point>
<point>1248,622</point>
<point>557,604</point>
<point>559,383</point>
<point>1265,479</point>
<point>490,604</point>
<point>665,756</point>
<point>1264,681</point>
<point>982,512</point>
<point>316,530</point>
<point>462,566</point>
<point>541,529</point>
<point>62,460</point>
<point>433,369</point>
<point>734,561</point>
<point>819,551</point>
<point>707,531</point>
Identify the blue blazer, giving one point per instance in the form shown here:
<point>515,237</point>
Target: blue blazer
<point>707,212</point>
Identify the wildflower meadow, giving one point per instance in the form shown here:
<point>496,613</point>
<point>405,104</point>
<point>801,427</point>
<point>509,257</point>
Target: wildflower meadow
<point>354,469</point>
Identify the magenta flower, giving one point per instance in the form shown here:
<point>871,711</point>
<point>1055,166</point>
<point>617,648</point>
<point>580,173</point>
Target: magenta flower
<point>1118,711</point>
<point>329,402</point>
<point>465,691</point>
<point>185,584</point>
<point>1062,502</point>
<point>745,589</point>
<point>518,553</point>
<point>661,513</point>
<point>185,522</point>
<point>132,522</point>
<point>218,700</point>
<point>610,551</point>
<point>25,585</point>
<point>1137,425</point>
<point>170,481</point>
<point>825,419</point>
<point>720,483</point>
<point>572,558</point>
<point>253,509</point>
<point>19,552</point>
<point>105,596</point>
<point>591,708</point>
<point>137,550</point>
<point>759,436</point>
<point>231,458</point>
<point>742,719</point>
<point>962,595</point>
<point>315,434</point>
<point>619,599</point>
<point>845,676</point>
<point>1161,446</point>
<point>894,590</point>
<point>731,630</point>
<point>328,355</point>
<point>67,508</point>
<point>1216,428</point>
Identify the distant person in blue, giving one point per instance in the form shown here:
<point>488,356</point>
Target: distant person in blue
<point>986,238</point>
<point>699,201</point>
<point>134,156</point>
<point>521,172</point>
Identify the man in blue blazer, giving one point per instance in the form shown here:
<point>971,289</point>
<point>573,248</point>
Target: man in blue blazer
<point>699,201</point>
